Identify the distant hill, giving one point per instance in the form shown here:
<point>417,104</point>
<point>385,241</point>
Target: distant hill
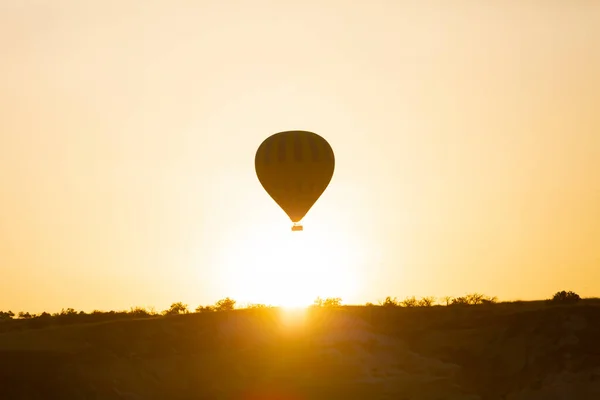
<point>516,351</point>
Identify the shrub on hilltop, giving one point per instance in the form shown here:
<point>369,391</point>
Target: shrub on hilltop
<point>329,302</point>
<point>564,297</point>
<point>226,304</point>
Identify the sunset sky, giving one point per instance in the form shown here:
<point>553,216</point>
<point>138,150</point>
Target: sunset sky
<point>466,135</point>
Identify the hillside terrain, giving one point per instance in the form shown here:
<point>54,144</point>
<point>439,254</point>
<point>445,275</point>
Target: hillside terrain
<point>525,351</point>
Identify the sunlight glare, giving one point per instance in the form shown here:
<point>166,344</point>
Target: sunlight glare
<point>269,264</point>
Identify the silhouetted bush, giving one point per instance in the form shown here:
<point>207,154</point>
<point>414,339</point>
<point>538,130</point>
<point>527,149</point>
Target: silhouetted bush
<point>201,309</point>
<point>330,302</point>
<point>257,305</point>
<point>389,302</point>
<point>225,304</point>
<point>470,299</point>
<point>459,301</point>
<point>409,302</point>
<point>69,312</point>
<point>430,301</point>
<point>427,301</point>
<point>489,300</point>
<point>564,297</point>
<point>177,308</point>
<point>140,312</point>
<point>448,300</point>
<point>5,315</point>
<point>478,298</point>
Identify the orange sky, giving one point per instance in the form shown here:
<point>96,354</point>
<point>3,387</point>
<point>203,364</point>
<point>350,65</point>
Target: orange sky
<point>466,135</point>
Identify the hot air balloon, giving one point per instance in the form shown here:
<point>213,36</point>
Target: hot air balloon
<point>295,168</point>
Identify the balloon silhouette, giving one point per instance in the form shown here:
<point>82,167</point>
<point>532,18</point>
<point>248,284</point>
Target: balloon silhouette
<point>295,168</point>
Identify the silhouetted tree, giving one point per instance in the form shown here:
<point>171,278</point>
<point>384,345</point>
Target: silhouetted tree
<point>24,315</point>
<point>409,302</point>
<point>177,308</point>
<point>257,305</point>
<point>201,309</point>
<point>460,301</point>
<point>489,300</point>
<point>152,310</point>
<point>225,304</point>
<point>328,302</point>
<point>389,302</point>
<point>139,312</point>
<point>427,301</point>
<point>6,315</point>
<point>318,302</point>
<point>470,299</point>
<point>474,298</point>
<point>564,297</point>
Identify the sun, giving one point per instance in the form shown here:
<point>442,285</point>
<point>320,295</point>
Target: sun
<point>269,264</point>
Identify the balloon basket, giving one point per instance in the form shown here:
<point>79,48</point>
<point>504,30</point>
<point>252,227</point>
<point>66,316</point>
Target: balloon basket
<point>297,228</point>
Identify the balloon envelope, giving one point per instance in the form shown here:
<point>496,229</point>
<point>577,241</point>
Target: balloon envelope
<point>295,168</point>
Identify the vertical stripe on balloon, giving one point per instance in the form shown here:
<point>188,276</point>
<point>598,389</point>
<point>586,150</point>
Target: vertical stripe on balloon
<point>298,147</point>
<point>266,151</point>
<point>281,148</point>
<point>314,147</point>
<point>326,150</point>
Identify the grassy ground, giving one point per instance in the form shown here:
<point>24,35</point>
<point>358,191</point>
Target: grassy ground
<point>472,352</point>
